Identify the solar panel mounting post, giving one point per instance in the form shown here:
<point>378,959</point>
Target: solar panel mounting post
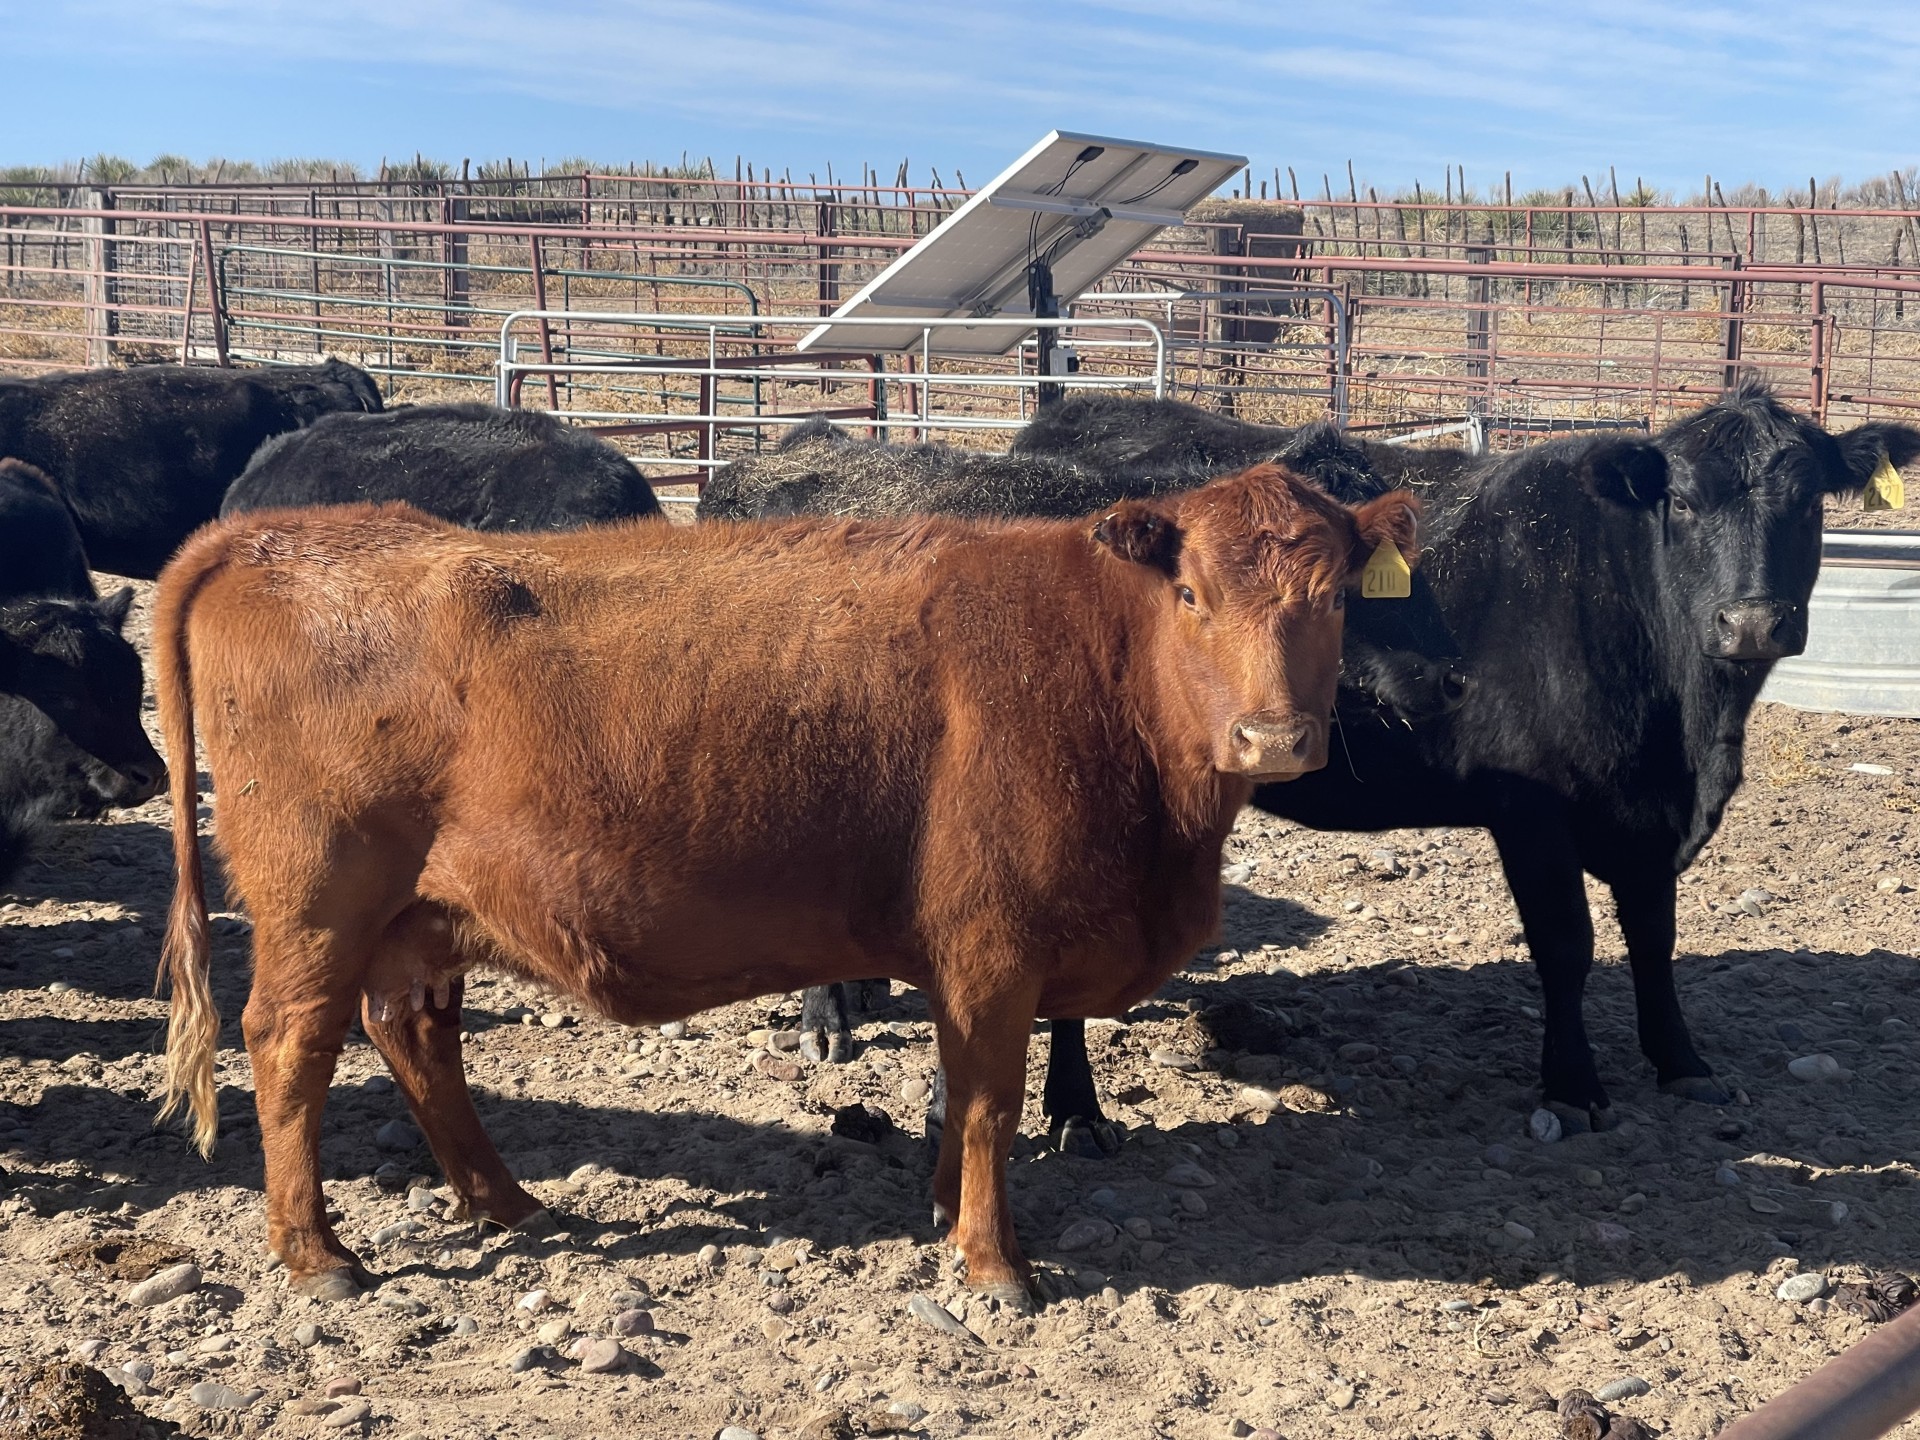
<point>1046,306</point>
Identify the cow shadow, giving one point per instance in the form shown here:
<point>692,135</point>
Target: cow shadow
<point>1387,1137</point>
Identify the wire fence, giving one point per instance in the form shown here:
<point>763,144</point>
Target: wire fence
<point>1387,314</point>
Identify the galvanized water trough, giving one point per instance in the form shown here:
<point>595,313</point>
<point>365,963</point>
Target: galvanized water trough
<point>1863,630</point>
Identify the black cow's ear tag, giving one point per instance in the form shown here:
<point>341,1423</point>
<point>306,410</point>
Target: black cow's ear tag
<point>1886,490</point>
<point>1387,576</point>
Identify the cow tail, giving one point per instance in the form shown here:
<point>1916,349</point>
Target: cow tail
<point>193,1020</point>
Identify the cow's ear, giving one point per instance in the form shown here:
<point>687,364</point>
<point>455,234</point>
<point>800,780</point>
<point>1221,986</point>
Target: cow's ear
<point>1392,519</point>
<point>115,607</point>
<point>1141,534</point>
<point>1626,472</point>
<point>1865,446</point>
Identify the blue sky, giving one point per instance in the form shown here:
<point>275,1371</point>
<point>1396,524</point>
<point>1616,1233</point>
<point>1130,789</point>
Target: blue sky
<point>1761,91</point>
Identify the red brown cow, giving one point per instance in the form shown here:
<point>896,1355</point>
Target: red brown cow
<point>663,769</point>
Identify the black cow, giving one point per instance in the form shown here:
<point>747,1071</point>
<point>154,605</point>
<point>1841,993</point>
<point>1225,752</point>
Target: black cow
<point>70,688</point>
<point>1123,437</point>
<point>40,551</point>
<point>472,464</point>
<point>143,457</point>
<point>1395,659</point>
<point>1621,602</point>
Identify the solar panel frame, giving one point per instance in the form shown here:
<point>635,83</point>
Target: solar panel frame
<point>974,263</point>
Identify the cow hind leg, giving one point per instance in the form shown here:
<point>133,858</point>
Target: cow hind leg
<point>417,1029</point>
<point>1644,904</point>
<point>294,1029</point>
<point>983,1045</point>
<point>826,1036</point>
<point>1075,1123</point>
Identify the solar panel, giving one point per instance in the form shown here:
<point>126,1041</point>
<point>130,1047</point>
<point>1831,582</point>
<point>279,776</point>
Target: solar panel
<point>1079,203</point>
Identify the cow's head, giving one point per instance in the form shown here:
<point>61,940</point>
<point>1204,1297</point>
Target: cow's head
<point>1732,496</point>
<point>1252,574</point>
<point>69,660</point>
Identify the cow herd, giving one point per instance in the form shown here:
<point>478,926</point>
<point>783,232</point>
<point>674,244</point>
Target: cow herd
<point>976,722</point>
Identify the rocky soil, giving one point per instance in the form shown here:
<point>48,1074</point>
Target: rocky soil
<point>1330,1217</point>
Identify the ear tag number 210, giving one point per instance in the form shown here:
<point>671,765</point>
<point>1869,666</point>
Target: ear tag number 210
<point>1386,576</point>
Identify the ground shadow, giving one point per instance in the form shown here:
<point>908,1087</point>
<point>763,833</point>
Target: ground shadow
<point>1408,1159</point>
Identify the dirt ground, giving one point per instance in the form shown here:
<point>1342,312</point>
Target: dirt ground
<point>1368,1241</point>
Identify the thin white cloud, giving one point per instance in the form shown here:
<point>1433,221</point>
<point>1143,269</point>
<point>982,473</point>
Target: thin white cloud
<point>1766,88</point>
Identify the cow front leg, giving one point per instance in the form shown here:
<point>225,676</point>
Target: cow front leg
<point>422,1049</point>
<point>826,1036</point>
<point>1075,1123</point>
<point>983,1045</point>
<point>294,1041</point>
<point>1543,870</point>
<point>1644,904</point>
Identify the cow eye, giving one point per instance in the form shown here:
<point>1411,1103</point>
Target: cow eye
<point>1186,595</point>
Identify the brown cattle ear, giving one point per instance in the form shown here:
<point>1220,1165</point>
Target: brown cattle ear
<point>1141,534</point>
<point>1392,519</point>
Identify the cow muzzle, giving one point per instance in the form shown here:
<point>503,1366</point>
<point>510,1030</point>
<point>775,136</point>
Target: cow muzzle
<point>1269,748</point>
<point>1757,630</point>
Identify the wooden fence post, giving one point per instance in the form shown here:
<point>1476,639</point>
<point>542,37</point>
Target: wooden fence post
<point>101,287</point>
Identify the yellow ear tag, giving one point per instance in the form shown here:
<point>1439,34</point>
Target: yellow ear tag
<point>1386,576</point>
<point>1886,490</point>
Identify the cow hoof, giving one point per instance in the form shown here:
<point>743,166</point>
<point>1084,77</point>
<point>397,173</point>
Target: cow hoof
<point>1702,1088</point>
<point>329,1286</point>
<point>1008,1298</point>
<point>1583,1119</point>
<point>826,1047</point>
<point>1087,1139</point>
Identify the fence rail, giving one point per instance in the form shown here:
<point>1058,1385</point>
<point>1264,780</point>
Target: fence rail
<point>1379,312</point>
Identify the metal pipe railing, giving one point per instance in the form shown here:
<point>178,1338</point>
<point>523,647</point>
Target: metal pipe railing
<point>1862,1393</point>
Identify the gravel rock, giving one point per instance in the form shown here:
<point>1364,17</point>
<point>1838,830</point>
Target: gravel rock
<point>633,1322</point>
<point>398,1230</point>
<point>1087,1235</point>
<point>908,1411</point>
<point>169,1284</point>
<point>674,1030</point>
<point>211,1395</point>
<point>420,1200</point>
<point>1517,1231</point>
<point>397,1135</point>
<point>1814,1068</point>
<point>307,1336</point>
<point>1190,1176</point>
<point>1726,1175</point>
<point>1499,1157</point>
<point>1798,1289</point>
<point>1193,1202</point>
<point>1173,1060</point>
<point>603,1357</point>
<point>90,1350</point>
<point>1544,1126</point>
<point>530,1358</point>
<point>915,1091</point>
<point>709,1257</point>
<point>735,1432</point>
<point>534,1301</point>
<point>466,1325</point>
<point>1625,1388</point>
<point>1340,1396</point>
<point>929,1311</point>
<point>354,1412</point>
<point>1753,901</point>
<point>1358,1052</point>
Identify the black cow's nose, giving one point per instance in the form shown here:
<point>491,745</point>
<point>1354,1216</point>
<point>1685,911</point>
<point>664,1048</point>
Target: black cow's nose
<point>146,778</point>
<point>1757,630</point>
<point>1455,686</point>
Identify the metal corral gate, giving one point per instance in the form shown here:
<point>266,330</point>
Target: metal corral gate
<point>727,380</point>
